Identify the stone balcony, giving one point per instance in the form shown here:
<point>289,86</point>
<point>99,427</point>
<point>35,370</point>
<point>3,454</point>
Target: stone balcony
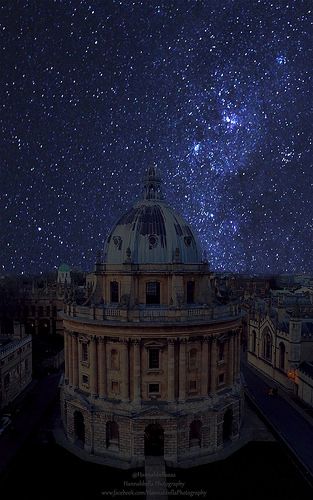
<point>157,314</point>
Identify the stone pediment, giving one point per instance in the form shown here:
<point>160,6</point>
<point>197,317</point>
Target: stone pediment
<point>154,343</point>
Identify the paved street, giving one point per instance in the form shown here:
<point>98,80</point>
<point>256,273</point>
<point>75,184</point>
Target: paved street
<point>294,429</point>
<point>36,403</point>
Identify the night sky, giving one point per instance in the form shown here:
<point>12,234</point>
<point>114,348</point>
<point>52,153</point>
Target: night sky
<point>217,93</point>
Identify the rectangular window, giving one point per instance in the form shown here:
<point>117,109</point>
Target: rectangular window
<point>84,351</point>
<point>153,292</point>
<point>33,311</point>
<point>190,292</point>
<point>193,385</point>
<point>154,359</point>
<point>221,352</point>
<point>115,388</point>
<point>221,379</point>
<point>114,292</point>
<point>154,388</point>
<point>85,379</point>
<point>40,311</point>
<point>48,310</point>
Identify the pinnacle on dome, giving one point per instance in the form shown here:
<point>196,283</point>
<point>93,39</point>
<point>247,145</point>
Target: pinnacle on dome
<point>152,184</point>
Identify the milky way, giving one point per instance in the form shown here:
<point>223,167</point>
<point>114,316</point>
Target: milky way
<point>217,93</point>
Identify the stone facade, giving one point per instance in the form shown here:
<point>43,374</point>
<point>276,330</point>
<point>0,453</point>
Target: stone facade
<point>15,367</point>
<point>152,359</point>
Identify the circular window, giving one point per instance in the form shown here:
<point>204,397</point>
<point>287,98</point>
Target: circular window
<point>117,240</point>
<point>153,241</point>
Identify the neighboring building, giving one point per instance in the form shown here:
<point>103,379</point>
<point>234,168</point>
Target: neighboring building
<point>280,335</point>
<point>15,365</point>
<point>41,299</point>
<point>64,274</point>
<point>152,359</point>
<point>304,381</point>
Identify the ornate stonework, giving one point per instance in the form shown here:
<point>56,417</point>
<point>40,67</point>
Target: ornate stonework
<point>157,373</point>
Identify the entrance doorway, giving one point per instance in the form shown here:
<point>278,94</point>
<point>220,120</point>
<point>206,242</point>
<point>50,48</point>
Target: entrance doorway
<point>227,425</point>
<point>154,440</point>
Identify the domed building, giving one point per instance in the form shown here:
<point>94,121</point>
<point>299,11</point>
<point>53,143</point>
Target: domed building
<point>152,357</point>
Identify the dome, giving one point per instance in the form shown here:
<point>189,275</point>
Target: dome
<point>152,232</point>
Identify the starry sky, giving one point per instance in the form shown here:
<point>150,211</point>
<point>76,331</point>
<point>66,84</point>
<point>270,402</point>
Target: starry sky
<point>217,93</point>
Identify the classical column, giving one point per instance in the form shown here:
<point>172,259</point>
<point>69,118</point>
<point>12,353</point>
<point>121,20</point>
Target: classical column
<point>70,359</point>
<point>102,365</point>
<point>137,369</point>
<point>75,359</point>
<point>230,359</point>
<point>238,353</point>
<point>93,367</point>
<point>204,367</point>
<point>125,370</point>
<point>182,369</point>
<point>170,370</point>
<point>213,365</point>
<point>66,347</point>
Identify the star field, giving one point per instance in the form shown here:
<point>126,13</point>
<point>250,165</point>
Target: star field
<point>217,93</point>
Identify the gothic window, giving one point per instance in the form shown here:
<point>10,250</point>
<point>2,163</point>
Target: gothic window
<point>153,292</point>
<point>254,341</point>
<point>267,345</point>
<point>190,292</point>
<point>195,434</point>
<point>282,356</point>
<point>114,360</point>
<point>154,359</point>
<point>114,292</point>
<point>192,359</point>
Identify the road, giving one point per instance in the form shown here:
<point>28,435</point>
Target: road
<point>32,411</point>
<point>288,423</point>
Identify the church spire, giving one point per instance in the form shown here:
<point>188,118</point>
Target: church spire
<point>152,185</point>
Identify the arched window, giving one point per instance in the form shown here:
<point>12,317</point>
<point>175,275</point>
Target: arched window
<point>112,435</point>
<point>267,345</point>
<point>79,427</point>
<point>114,292</point>
<point>190,292</point>
<point>254,341</point>
<point>195,434</point>
<point>193,358</point>
<point>153,292</point>
<point>282,351</point>
<point>114,360</point>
